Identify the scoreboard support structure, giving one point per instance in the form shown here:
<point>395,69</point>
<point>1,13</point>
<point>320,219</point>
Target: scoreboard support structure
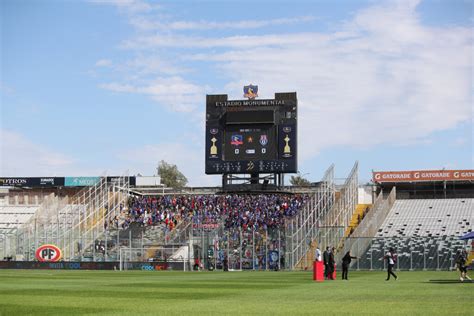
<point>252,182</point>
<point>251,143</point>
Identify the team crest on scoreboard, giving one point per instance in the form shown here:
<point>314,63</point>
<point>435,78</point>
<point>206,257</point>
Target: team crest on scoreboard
<point>250,91</point>
<point>263,140</point>
<point>237,140</point>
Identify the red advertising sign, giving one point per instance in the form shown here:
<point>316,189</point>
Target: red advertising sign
<point>48,253</point>
<point>423,175</point>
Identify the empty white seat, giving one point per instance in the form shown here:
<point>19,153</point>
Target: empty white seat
<point>429,218</point>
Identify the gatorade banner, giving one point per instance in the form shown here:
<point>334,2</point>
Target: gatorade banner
<point>423,175</point>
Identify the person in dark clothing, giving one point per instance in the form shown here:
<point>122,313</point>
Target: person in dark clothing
<point>346,262</point>
<point>226,263</point>
<point>326,263</point>
<point>460,260</point>
<point>391,258</point>
<point>331,263</point>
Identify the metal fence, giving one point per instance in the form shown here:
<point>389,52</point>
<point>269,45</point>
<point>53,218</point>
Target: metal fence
<point>72,223</point>
<point>413,253</point>
<point>303,229</point>
<point>164,257</point>
<point>242,249</point>
<point>370,224</point>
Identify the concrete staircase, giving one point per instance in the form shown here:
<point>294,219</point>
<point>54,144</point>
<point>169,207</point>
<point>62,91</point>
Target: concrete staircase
<point>356,218</point>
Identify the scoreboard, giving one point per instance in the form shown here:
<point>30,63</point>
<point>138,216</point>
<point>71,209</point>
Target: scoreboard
<point>251,136</point>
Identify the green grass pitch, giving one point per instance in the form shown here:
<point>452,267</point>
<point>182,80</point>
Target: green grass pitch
<point>52,292</point>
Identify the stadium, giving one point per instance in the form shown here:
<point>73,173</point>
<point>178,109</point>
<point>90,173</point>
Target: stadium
<point>236,157</point>
<point>253,227</point>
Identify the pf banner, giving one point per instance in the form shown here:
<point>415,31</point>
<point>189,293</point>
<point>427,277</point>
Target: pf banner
<point>48,253</point>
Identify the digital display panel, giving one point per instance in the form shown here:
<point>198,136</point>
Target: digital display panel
<point>250,117</point>
<point>251,136</point>
<point>249,143</point>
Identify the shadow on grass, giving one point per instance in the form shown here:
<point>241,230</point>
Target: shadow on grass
<point>448,281</point>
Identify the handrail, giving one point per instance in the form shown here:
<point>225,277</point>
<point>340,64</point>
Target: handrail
<point>302,229</point>
<point>68,222</point>
<point>370,224</point>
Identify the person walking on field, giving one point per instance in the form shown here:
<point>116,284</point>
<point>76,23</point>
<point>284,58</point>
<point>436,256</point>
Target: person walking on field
<point>391,258</point>
<point>326,263</point>
<point>460,260</point>
<point>331,263</point>
<point>346,262</point>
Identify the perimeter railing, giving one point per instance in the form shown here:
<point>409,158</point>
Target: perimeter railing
<point>370,224</point>
<point>302,229</point>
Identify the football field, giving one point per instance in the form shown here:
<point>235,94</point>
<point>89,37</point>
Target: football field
<point>53,292</point>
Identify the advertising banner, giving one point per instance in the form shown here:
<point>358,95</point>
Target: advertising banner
<point>48,253</point>
<point>81,181</point>
<point>422,175</point>
<point>70,265</point>
<point>31,182</point>
<point>57,181</point>
<point>115,179</point>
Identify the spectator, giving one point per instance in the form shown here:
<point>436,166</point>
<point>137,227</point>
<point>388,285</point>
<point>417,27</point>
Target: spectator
<point>249,212</point>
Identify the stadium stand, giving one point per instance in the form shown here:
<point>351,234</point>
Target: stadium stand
<point>95,222</point>
<point>428,218</point>
<point>424,232</point>
<point>244,211</point>
<point>13,216</point>
<point>252,229</point>
<point>422,220</point>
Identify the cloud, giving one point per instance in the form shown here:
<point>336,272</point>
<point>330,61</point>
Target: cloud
<point>238,41</point>
<point>174,92</point>
<point>5,89</point>
<point>145,65</point>
<point>21,157</point>
<point>147,24</point>
<point>103,63</point>
<point>381,77</point>
<point>128,6</point>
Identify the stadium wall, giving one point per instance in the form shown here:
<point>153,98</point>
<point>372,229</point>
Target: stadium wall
<point>110,265</point>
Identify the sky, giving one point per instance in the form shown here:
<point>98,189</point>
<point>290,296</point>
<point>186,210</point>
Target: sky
<point>98,87</point>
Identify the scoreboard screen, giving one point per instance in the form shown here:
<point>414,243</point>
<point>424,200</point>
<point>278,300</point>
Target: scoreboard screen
<point>251,136</point>
<point>249,143</point>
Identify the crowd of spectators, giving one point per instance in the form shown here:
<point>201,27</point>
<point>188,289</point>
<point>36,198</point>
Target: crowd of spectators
<point>257,211</point>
